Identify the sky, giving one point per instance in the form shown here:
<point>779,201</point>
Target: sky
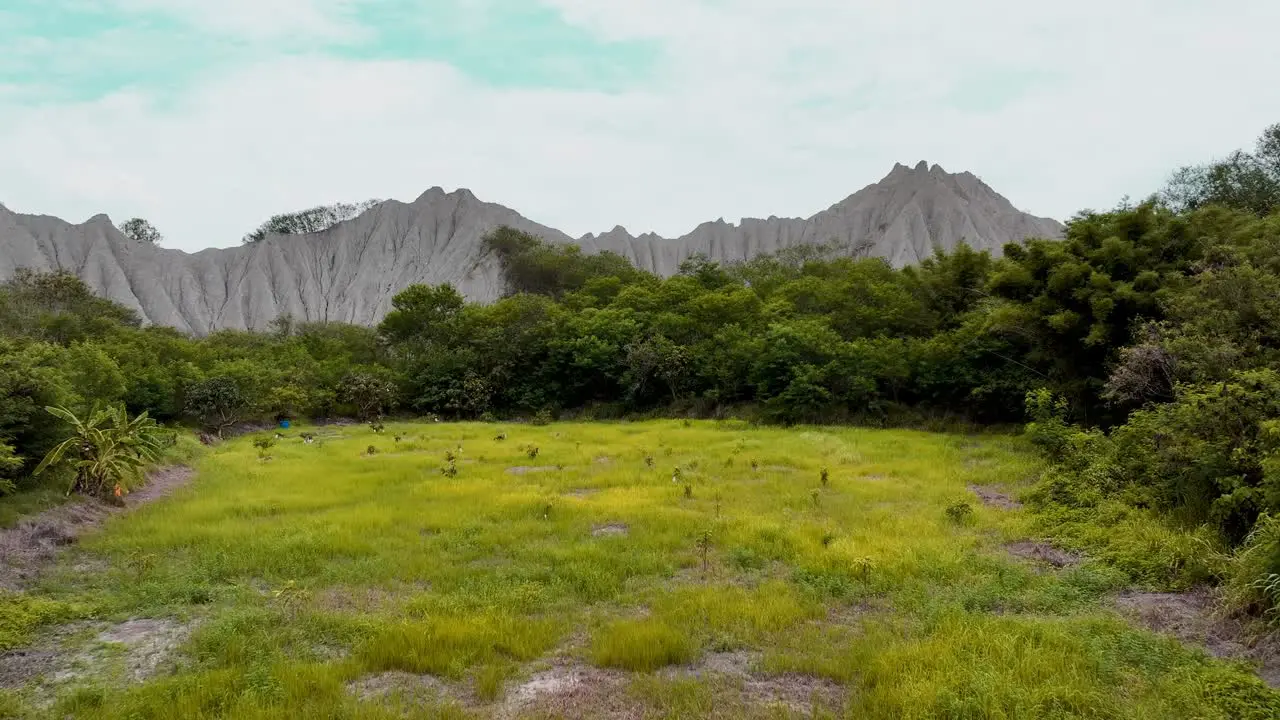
<point>208,117</point>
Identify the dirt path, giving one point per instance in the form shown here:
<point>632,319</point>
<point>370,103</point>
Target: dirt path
<point>33,545</point>
<point>1192,618</point>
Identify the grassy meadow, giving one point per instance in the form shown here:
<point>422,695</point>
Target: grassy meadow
<point>647,569</point>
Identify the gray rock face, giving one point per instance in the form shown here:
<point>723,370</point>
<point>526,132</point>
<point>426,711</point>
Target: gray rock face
<point>350,272</point>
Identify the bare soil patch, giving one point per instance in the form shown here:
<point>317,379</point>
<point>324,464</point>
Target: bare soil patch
<point>994,497</point>
<point>137,649</point>
<point>400,687</point>
<point>31,546</point>
<point>610,530</point>
<point>1043,553</point>
<point>797,693</point>
<point>149,645</point>
<point>529,470</point>
<point>1191,618</point>
<point>572,691</point>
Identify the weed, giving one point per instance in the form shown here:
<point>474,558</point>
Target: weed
<point>371,450</point>
<point>825,478</point>
<point>291,595</point>
<point>542,417</point>
<point>500,437</point>
<point>263,443</point>
<point>308,438</point>
<point>377,426</point>
<point>960,513</point>
<point>828,538</point>
<point>688,491</point>
<point>532,452</point>
<point>816,495</point>
<point>704,548</point>
<point>648,460</point>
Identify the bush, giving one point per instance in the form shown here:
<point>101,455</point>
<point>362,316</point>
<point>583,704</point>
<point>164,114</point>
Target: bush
<point>107,450</point>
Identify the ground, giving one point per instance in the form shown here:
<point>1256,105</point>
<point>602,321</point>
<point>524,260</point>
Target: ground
<point>630,570</point>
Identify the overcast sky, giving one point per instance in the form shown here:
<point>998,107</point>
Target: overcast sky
<point>207,117</point>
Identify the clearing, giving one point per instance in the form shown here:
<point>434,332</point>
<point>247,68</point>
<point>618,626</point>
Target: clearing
<point>629,570</point>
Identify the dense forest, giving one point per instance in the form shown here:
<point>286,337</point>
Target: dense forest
<point>1144,350</point>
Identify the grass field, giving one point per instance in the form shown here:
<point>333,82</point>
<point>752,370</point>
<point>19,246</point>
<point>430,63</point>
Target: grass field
<point>651,569</point>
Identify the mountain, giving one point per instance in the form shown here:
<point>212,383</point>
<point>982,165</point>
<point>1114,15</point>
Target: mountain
<point>350,272</point>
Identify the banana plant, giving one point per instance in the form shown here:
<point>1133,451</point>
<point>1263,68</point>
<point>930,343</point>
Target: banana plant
<point>107,450</point>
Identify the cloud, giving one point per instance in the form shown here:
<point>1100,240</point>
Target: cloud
<point>747,107</point>
<point>259,20</point>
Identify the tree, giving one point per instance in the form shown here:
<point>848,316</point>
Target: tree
<point>311,220</point>
<point>58,307</point>
<point>216,403</point>
<point>531,265</point>
<point>107,450</point>
<point>1243,181</point>
<point>655,358</point>
<point>421,312</point>
<point>140,230</point>
<point>370,393</point>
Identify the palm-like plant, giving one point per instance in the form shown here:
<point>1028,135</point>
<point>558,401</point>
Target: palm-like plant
<point>108,450</point>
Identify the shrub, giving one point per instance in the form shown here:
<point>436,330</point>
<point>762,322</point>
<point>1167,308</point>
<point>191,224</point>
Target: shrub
<point>108,451</point>
<point>960,513</point>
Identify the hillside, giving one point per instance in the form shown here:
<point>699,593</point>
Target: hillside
<point>350,272</point>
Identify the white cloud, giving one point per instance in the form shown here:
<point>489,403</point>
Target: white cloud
<point>259,19</point>
<point>759,108</point>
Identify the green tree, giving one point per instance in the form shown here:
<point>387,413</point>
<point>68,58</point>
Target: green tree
<point>140,230</point>
<point>422,313</point>
<point>311,220</point>
<point>369,391</point>
<point>216,403</point>
<point>1243,181</point>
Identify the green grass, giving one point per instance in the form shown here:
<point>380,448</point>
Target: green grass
<point>326,564</point>
<point>30,500</point>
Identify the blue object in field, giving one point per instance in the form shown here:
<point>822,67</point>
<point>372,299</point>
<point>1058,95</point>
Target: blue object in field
<point>284,424</point>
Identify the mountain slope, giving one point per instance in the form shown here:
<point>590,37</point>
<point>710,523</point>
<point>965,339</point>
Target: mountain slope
<point>350,272</point>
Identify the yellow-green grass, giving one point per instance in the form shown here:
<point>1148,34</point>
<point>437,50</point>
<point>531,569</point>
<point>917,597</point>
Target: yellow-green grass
<point>325,564</point>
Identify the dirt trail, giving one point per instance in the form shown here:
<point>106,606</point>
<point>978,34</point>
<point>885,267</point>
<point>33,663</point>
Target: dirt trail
<point>33,545</point>
<point>1192,618</point>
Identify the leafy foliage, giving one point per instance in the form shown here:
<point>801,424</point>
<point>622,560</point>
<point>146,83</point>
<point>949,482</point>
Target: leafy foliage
<point>1244,181</point>
<point>141,230</point>
<point>216,403</point>
<point>107,450</point>
<point>311,220</point>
